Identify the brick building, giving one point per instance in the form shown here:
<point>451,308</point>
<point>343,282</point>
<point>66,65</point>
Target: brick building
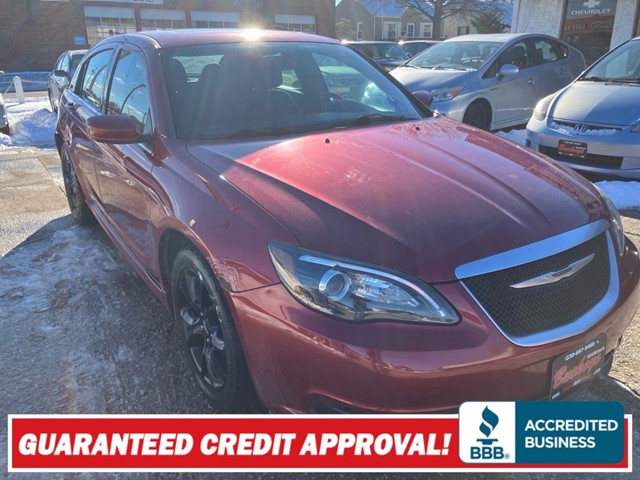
<point>33,33</point>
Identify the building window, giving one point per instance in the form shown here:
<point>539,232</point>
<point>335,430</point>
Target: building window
<point>359,31</point>
<point>589,27</point>
<point>104,22</point>
<point>156,19</point>
<point>426,30</point>
<point>391,30</point>
<point>411,30</point>
<point>215,19</point>
<point>463,30</point>
<point>296,23</point>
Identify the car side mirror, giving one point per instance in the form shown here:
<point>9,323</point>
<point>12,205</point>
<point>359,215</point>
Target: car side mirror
<point>61,73</point>
<point>425,97</point>
<point>507,70</point>
<point>112,129</point>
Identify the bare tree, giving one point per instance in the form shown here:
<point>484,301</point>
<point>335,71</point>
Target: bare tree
<point>439,10</point>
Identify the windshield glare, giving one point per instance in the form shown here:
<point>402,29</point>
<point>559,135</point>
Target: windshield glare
<point>252,90</point>
<point>455,55</point>
<point>622,64</point>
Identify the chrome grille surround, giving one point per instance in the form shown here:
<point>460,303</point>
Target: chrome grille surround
<point>538,251</point>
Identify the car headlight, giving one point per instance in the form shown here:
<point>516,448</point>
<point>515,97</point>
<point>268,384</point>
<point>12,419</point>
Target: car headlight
<point>542,107</point>
<point>357,292</point>
<point>616,221</point>
<point>447,93</point>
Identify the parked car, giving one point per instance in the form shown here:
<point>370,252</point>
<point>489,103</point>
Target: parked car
<point>334,256</point>
<point>387,54</point>
<point>61,74</point>
<point>4,119</point>
<point>492,81</point>
<point>593,125</point>
<point>414,47</point>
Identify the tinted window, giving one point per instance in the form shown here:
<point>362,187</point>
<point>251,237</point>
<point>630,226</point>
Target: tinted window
<point>278,89</point>
<point>95,77</point>
<point>547,51</point>
<point>128,94</point>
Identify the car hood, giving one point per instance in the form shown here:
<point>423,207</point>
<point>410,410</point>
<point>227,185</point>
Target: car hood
<point>426,79</point>
<point>420,197</point>
<point>598,103</point>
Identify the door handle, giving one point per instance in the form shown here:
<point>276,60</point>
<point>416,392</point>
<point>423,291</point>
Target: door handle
<point>532,81</point>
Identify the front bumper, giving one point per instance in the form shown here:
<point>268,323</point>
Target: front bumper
<point>614,154</point>
<point>299,359</point>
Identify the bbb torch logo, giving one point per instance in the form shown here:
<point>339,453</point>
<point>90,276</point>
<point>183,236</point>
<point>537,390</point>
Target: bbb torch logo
<point>487,432</point>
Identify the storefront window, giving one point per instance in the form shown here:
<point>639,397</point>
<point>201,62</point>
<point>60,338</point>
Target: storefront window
<point>104,22</point>
<point>215,19</point>
<point>156,19</point>
<point>296,23</point>
<point>588,25</point>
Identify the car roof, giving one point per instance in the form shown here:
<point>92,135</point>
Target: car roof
<point>368,42</point>
<point>203,36</point>
<point>494,37</point>
<point>77,52</point>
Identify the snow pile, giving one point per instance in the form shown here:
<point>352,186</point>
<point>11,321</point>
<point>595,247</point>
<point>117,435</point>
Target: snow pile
<point>622,194</point>
<point>518,136</point>
<point>31,123</point>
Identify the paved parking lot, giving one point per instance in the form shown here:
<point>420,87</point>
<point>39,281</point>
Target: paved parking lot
<point>82,334</point>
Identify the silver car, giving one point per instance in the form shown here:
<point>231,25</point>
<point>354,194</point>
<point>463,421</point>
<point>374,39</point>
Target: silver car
<point>4,120</point>
<point>491,81</point>
<point>593,125</point>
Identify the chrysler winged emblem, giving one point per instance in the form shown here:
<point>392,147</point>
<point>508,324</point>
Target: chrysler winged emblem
<point>552,277</point>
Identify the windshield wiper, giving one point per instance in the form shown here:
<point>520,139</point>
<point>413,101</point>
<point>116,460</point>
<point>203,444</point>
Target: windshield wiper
<point>247,132</point>
<point>370,118</point>
<point>625,80</point>
<point>593,79</point>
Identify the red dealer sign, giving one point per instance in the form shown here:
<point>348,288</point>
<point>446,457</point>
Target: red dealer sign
<point>239,443</point>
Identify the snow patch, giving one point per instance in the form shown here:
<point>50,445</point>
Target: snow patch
<point>624,195</point>
<point>31,123</point>
<point>518,136</point>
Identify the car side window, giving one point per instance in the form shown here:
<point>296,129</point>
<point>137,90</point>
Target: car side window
<point>58,62</point>
<point>94,78</point>
<point>64,64</point>
<point>129,95</point>
<point>515,55</point>
<point>547,51</point>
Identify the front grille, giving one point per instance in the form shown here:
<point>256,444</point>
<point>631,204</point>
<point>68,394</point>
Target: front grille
<point>526,311</point>
<point>593,160</point>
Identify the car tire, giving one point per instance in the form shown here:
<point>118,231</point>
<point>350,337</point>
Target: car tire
<point>75,196</point>
<point>6,130</point>
<point>478,115</point>
<point>208,335</point>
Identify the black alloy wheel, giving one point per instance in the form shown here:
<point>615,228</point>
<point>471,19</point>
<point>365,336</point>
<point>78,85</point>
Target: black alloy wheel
<point>208,334</point>
<point>75,196</point>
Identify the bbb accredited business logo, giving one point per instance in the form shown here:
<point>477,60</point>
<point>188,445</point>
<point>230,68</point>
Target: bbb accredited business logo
<point>487,432</point>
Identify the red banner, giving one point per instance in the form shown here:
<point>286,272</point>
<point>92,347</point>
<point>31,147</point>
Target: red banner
<point>241,443</point>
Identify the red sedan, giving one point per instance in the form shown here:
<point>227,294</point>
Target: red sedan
<point>327,243</point>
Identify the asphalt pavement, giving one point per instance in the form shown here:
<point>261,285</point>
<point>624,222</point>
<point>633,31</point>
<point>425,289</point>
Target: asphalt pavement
<point>82,334</point>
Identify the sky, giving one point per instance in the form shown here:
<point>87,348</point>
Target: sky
<point>33,124</point>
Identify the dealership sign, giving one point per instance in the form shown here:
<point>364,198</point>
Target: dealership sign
<point>487,436</point>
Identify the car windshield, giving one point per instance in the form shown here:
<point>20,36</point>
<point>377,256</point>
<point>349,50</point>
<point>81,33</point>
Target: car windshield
<point>269,89</point>
<point>621,65</point>
<point>455,56</point>
<point>381,51</point>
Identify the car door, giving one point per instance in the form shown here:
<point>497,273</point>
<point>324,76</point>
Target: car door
<point>550,65</point>
<point>84,100</point>
<point>123,170</point>
<point>513,97</point>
